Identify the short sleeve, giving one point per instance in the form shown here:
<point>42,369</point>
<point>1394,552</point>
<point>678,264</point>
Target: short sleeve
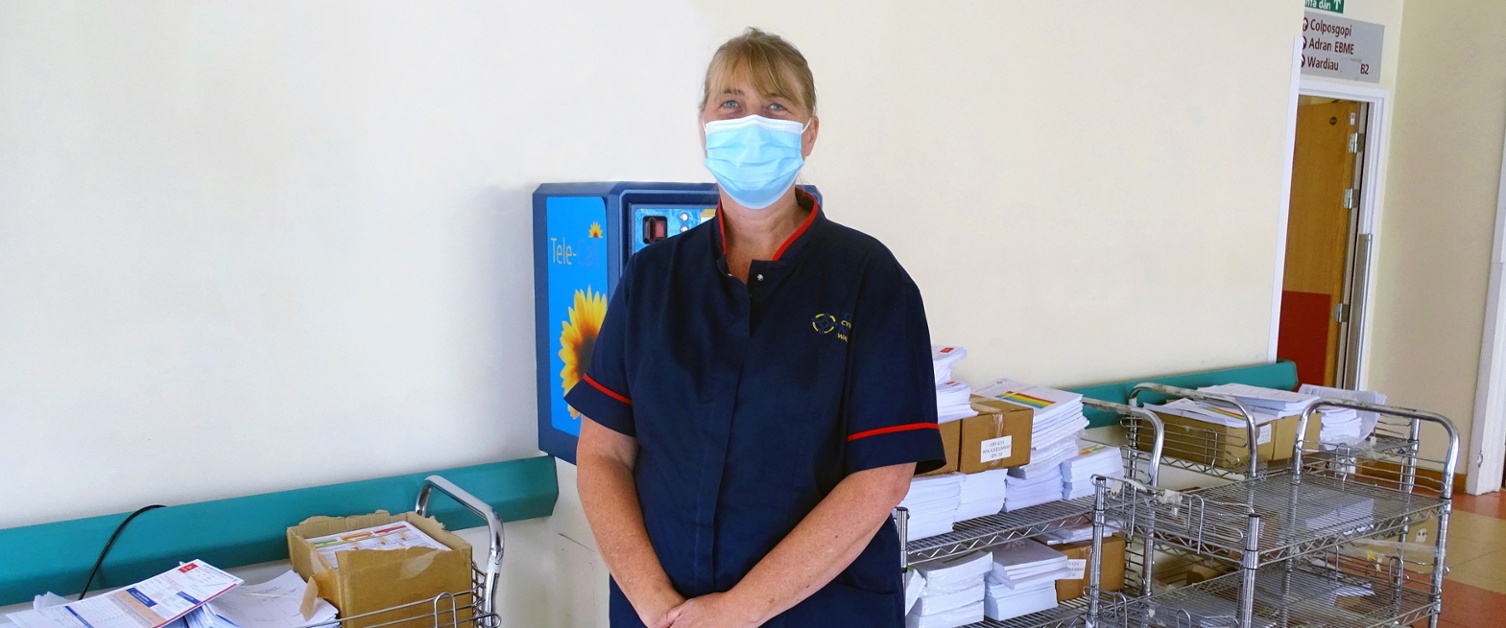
<point>603,393</point>
<point>891,385</point>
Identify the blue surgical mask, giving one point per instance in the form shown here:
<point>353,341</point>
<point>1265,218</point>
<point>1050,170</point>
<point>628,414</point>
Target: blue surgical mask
<point>755,159</point>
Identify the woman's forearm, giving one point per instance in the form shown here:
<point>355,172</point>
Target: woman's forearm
<point>824,543</point>
<point>609,496</point>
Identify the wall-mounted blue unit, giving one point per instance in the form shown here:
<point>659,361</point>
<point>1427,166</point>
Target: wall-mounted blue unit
<point>583,234</point>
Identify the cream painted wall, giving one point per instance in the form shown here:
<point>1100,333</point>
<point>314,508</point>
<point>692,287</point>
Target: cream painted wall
<point>292,240</point>
<point>1387,13</point>
<point>289,242</point>
<point>1435,239</point>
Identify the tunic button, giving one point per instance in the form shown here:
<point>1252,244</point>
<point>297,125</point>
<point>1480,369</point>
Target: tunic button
<point>760,277</point>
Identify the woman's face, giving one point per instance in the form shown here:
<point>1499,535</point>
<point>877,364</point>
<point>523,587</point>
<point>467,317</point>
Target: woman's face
<point>742,99</point>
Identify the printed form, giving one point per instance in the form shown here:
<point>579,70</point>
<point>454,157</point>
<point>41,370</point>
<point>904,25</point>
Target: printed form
<point>151,603</point>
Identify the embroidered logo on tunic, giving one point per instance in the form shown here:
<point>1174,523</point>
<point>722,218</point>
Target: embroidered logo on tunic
<point>825,324</point>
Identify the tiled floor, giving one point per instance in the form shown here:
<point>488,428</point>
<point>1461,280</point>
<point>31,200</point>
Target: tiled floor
<point>1474,592</point>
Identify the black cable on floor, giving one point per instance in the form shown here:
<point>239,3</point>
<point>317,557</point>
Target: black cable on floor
<point>104,552</point>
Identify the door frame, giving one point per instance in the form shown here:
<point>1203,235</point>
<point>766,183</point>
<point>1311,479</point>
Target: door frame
<point>1372,182</point>
<point>1487,438</point>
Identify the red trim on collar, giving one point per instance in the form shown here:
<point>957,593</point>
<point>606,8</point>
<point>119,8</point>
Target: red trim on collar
<point>721,224</point>
<point>815,209</point>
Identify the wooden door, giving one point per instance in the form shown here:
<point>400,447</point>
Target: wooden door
<point>1318,237</point>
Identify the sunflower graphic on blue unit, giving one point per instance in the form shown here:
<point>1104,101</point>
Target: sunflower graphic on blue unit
<point>578,338</point>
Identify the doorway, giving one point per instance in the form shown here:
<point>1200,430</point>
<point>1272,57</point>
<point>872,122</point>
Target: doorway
<point>1327,252</point>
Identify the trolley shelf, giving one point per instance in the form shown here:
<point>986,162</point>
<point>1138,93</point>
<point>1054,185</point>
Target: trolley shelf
<point>1385,605</point>
<point>1070,614</point>
<point>984,532</point>
<point>1262,469</point>
<point>1317,513</point>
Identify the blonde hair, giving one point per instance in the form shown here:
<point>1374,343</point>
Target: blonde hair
<point>770,63</point>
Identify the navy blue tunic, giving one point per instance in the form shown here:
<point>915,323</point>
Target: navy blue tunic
<point>750,402</point>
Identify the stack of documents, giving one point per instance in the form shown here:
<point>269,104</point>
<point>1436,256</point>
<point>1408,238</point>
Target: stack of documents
<point>944,359</point>
<point>982,494</point>
<point>151,603</point>
<point>276,603</point>
<point>953,594</point>
<point>1282,403</point>
<point>1047,460</point>
<point>952,402</point>
<point>1209,413</point>
<point>1027,562</point>
<point>1075,535</point>
<point>932,502</point>
<point>914,585</point>
<point>1023,580</point>
<point>1058,414</point>
<point>1040,488</point>
<point>1091,460</point>
<point>1337,426</point>
<point>951,396</point>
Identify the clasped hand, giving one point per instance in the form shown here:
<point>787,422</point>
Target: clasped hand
<point>716,610</point>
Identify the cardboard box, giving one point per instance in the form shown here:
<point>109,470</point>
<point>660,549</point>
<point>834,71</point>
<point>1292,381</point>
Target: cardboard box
<point>1225,446</point>
<point>999,437</point>
<point>373,580</point>
<point>1111,577</point>
<point>951,441</point>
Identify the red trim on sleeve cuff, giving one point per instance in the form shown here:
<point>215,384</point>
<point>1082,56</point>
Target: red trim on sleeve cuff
<point>893,428</point>
<point>587,379</point>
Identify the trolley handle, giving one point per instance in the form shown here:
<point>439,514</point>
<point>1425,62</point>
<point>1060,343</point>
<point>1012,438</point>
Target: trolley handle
<point>1406,413</point>
<point>1157,444</point>
<point>493,525</point>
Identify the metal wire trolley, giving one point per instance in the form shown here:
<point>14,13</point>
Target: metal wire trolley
<point>1321,542</point>
<point>454,609</point>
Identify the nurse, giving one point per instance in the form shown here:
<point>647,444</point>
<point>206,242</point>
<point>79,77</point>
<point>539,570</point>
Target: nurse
<point>761,392</point>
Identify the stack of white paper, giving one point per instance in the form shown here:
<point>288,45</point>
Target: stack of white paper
<point>1035,490</point>
<point>1210,413</point>
<point>1047,460</point>
<point>1078,472</point>
<point>953,593</point>
<point>952,402</point>
<point>1058,414</point>
<point>951,396</point>
<point>1028,562</point>
<point>1075,535</point>
<point>1342,430</point>
<point>915,583</point>
<point>1023,580</point>
<point>1282,403</point>
<point>982,494</point>
<point>275,603</point>
<point>1001,602</point>
<point>944,359</point>
<point>932,502</point>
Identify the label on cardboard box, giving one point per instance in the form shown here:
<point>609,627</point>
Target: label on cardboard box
<point>1265,434</point>
<point>996,449</point>
<point>1077,568</point>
